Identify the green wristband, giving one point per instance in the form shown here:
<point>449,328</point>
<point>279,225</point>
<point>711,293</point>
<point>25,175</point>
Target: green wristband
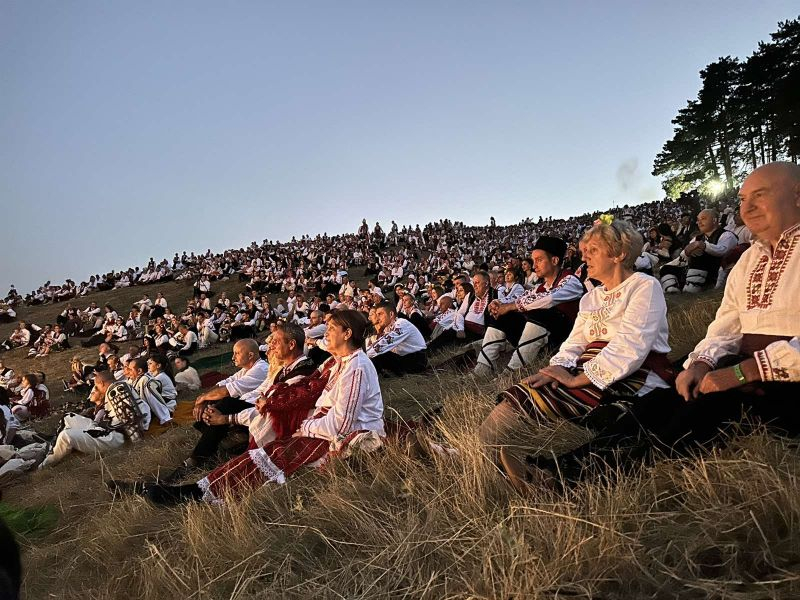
<point>737,370</point>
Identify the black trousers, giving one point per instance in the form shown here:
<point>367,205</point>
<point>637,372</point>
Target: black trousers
<point>663,421</point>
<point>416,362</point>
<point>212,435</point>
<point>445,338</point>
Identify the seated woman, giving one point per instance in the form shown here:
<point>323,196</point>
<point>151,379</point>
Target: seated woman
<point>186,376</point>
<point>160,369</point>
<point>616,349</point>
<point>80,376</point>
<point>33,401</point>
<point>411,312</point>
<point>350,405</point>
<point>511,288</point>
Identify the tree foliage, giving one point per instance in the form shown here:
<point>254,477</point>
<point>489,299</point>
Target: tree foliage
<point>745,114</point>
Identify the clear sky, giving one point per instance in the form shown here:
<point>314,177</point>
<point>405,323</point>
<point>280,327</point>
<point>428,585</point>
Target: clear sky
<point>137,129</point>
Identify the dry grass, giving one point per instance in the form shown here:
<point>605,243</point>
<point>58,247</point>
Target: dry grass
<point>390,526</point>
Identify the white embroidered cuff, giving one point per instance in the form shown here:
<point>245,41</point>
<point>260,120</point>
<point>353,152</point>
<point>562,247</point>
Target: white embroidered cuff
<point>567,363</point>
<point>599,377</point>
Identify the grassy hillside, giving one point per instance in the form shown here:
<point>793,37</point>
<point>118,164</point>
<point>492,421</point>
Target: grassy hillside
<point>392,526</point>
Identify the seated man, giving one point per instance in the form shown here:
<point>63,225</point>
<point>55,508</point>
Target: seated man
<point>700,260</point>
<point>279,406</point>
<point>21,336</point>
<point>185,343</point>
<point>448,325</point>
<point>315,333</point>
<point>6,374</point>
<point>400,347</point>
<point>543,315</point>
<point>227,399</point>
<point>7,313</point>
<point>476,315</point>
<point>119,415</point>
<point>749,360</point>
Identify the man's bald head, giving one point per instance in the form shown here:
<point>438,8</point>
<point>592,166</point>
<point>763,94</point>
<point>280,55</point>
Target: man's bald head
<point>247,345</point>
<point>770,200</point>
<point>445,303</point>
<point>781,170</point>
<point>245,353</point>
<point>707,221</point>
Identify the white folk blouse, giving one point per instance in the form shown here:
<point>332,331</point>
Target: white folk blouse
<point>632,318</point>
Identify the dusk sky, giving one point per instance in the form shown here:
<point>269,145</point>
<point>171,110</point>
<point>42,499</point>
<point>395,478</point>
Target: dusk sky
<point>137,129</point>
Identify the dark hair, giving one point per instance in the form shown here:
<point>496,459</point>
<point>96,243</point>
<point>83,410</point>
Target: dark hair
<point>355,321</point>
<point>294,332</point>
<point>483,275</point>
<point>4,399</point>
<point>665,230</point>
<point>159,359</point>
<point>139,363</point>
<point>31,379</point>
<point>387,306</point>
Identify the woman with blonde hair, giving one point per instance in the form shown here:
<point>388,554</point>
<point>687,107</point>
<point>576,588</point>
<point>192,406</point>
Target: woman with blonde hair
<point>617,348</point>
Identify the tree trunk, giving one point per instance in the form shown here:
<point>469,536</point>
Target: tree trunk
<point>725,156</point>
<point>752,142</point>
<point>713,159</point>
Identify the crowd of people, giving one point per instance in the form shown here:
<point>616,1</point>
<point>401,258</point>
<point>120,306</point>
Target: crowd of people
<point>590,288</point>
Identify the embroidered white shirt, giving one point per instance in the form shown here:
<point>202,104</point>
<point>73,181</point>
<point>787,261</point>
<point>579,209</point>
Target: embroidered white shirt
<point>351,401</point>
<point>402,338</point>
<point>761,297</point>
<point>632,318</point>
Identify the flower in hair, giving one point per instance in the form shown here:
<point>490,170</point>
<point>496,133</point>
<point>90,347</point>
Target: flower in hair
<point>604,219</point>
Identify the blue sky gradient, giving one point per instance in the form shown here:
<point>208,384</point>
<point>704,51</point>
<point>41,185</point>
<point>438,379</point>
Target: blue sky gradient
<point>138,129</point>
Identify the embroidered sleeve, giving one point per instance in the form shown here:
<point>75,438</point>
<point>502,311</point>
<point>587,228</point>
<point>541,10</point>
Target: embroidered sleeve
<point>246,416</point>
<point>644,319</point>
<point>570,288</point>
<point>724,335</point>
<point>780,361</point>
<point>388,341</point>
<point>338,421</point>
<point>726,242</point>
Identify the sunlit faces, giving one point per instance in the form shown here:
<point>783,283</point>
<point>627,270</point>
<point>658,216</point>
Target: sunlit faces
<point>770,202</point>
<point>241,355</point>
<point>383,318</point>
<point>281,346</point>
<point>544,265</point>
<point>480,285</point>
<point>336,339</point>
<point>599,264</point>
<point>706,222</point>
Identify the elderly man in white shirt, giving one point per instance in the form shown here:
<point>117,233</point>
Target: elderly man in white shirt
<point>226,397</point>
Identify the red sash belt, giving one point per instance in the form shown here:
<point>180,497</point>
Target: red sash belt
<point>655,361</point>
<point>752,342</point>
